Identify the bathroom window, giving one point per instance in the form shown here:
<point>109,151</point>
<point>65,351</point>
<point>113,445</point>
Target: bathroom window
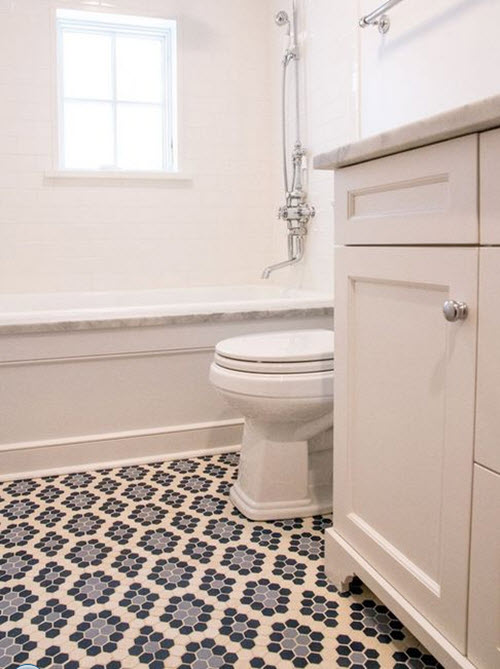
<point>116,92</point>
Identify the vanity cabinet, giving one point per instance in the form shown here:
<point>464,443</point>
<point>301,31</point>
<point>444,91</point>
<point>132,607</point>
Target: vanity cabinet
<point>484,608</point>
<point>417,391</point>
<point>424,196</point>
<point>487,447</point>
<point>404,421</point>
<point>489,148</point>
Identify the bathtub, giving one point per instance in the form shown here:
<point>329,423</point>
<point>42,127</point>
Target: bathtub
<point>94,307</point>
<point>94,380</point>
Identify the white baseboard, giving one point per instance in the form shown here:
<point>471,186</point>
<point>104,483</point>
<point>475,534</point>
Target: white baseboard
<point>62,456</point>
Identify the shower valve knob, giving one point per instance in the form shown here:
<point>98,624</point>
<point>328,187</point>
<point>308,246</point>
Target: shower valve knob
<point>306,212</point>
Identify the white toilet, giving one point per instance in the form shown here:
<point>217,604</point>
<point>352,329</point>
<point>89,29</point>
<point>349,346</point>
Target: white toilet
<point>282,383</point>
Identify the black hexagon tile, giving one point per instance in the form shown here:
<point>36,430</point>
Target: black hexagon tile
<point>151,566</point>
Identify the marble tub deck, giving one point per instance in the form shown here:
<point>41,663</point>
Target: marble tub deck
<point>81,324</point>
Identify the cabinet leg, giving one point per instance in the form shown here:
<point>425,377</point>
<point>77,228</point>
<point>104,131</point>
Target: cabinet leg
<point>339,578</point>
<point>338,566</point>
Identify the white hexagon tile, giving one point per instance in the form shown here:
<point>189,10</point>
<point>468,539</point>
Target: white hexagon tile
<point>151,566</point>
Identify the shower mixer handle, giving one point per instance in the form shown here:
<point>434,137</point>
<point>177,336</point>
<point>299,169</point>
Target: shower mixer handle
<point>299,214</point>
<point>308,210</point>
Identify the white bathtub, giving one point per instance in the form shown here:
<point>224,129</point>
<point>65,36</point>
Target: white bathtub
<point>29,308</point>
<point>91,380</point>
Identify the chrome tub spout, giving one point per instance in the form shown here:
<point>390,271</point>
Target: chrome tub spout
<point>295,255</point>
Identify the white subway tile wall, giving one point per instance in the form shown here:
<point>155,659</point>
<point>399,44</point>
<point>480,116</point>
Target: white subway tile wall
<point>328,39</point>
<point>85,234</point>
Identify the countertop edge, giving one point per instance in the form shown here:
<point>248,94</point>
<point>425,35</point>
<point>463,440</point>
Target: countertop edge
<point>467,119</point>
<point>155,321</point>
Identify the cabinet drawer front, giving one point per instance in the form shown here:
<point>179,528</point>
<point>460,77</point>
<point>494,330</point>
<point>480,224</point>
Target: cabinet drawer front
<point>404,421</point>
<point>424,196</point>
<point>484,607</point>
<point>487,449</point>
<point>489,151</point>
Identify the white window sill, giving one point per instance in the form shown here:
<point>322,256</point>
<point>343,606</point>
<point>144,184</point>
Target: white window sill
<point>116,176</point>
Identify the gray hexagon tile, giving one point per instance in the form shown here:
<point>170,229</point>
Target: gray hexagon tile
<point>151,567</point>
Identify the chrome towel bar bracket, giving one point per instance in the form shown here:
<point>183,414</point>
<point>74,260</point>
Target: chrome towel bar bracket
<point>379,17</point>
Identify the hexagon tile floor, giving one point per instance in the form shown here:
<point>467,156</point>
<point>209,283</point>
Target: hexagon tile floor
<point>151,566</point>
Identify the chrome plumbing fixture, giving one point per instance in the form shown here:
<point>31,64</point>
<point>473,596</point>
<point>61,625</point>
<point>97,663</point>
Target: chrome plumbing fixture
<point>282,18</point>
<point>296,211</point>
<point>379,17</point>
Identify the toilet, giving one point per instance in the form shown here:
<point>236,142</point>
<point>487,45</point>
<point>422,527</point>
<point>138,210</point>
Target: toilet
<point>282,383</point>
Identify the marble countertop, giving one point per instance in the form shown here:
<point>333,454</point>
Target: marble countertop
<point>474,117</point>
<point>155,321</point>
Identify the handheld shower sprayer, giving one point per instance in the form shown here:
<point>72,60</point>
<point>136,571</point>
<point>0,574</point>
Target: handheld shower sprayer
<point>296,211</point>
<point>281,19</point>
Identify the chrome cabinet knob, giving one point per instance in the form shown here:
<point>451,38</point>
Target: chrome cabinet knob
<point>455,311</point>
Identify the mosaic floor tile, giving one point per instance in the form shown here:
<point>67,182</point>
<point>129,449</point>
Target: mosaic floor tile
<point>151,567</point>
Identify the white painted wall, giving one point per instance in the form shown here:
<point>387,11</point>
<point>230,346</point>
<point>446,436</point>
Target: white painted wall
<point>438,54</point>
<point>76,236</point>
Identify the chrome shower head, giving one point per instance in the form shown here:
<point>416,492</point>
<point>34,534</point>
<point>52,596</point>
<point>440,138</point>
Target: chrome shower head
<point>282,18</point>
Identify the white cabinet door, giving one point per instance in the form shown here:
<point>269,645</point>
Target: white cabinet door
<point>487,450</point>
<point>424,196</point>
<point>489,150</point>
<point>484,608</point>
<point>404,415</point>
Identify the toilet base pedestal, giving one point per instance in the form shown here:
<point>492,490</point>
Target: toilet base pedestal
<point>283,479</point>
<point>321,503</point>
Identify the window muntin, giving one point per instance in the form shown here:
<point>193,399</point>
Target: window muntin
<point>116,92</point>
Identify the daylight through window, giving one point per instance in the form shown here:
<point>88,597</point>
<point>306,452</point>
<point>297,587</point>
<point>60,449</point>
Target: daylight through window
<point>116,91</point>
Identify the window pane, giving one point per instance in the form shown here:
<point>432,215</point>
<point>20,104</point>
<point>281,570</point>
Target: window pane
<point>140,137</point>
<point>87,65</point>
<point>139,69</point>
<point>88,135</point>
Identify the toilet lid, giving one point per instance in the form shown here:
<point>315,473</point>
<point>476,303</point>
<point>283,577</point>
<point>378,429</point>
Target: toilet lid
<point>295,346</point>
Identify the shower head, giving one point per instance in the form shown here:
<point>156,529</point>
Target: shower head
<point>282,18</point>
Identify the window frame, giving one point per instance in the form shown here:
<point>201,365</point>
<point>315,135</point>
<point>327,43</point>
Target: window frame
<point>164,30</point>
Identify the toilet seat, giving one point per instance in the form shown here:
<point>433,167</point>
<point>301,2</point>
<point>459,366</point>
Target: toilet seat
<point>293,352</point>
<point>274,367</point>
<point>305,386</point>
